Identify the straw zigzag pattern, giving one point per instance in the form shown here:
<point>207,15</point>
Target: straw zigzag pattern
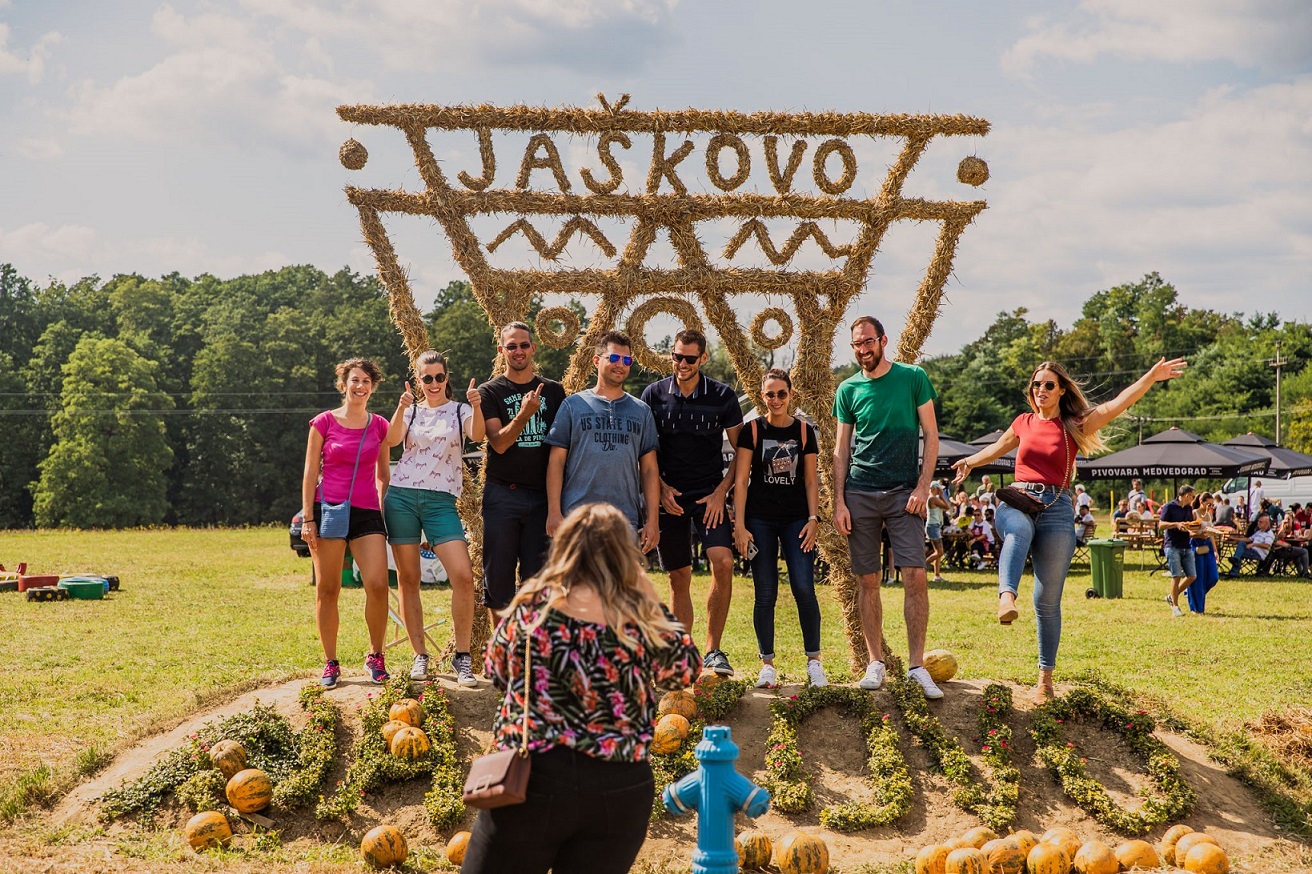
<point>576,225</point>
<point>757,228</point>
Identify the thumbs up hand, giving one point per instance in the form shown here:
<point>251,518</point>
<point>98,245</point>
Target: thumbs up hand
<point>407,397</point>
<point>474,398</point>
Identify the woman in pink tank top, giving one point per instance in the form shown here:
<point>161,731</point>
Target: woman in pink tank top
<point>1061,422</point>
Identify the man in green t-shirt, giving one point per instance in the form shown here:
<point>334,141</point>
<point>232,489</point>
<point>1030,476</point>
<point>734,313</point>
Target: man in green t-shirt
<point>880,482</point>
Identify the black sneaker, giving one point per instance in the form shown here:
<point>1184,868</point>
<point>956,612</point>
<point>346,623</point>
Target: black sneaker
<point>717,661</point>
<point>331,671</point>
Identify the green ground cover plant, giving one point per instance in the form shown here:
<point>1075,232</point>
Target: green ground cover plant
<point>205,614</point>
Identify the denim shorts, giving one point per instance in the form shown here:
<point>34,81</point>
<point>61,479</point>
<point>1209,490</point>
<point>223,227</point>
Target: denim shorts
<point>1181,561</point>
<point>933,531</point>
<point>416,515</point>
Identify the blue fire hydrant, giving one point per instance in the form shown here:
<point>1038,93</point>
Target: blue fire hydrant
<point>716,791</point>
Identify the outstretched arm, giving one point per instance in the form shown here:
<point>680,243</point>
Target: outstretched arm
<point>1106,412</point>
<point>1004,444</point>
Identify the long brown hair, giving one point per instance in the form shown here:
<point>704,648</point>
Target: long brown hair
<point>1073,407</point>
<point>595,547</point>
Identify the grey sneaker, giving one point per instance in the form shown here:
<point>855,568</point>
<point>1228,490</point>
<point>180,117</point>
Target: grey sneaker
<point>815,674</point>
<point>419,670</point>
<point>717,661</point>
<point>464,665</point>
<point>874,676</point>
<point>921,676</point>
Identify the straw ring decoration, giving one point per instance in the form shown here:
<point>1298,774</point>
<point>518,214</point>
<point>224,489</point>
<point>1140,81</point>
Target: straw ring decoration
<point>637,328</point>
<point>557,338</point>
<point>781,318</point>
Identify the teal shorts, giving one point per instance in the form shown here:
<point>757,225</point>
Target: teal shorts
<point>417,515</point>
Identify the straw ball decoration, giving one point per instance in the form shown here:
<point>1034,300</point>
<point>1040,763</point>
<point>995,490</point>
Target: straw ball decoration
<point>637,328</point>
<point>353,154</point>
<point>973,171</point>
<point>781,318</point>
<point>553,337</point>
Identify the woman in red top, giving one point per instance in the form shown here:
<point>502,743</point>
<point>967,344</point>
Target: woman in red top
<point>1062,422</point>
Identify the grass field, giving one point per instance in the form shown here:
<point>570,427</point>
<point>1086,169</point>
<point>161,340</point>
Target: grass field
<point>206,613</point>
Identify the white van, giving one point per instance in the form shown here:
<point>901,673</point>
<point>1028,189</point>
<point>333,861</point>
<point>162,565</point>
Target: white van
<point>1295,490</point>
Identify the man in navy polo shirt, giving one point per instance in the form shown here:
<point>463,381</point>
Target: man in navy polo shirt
<point>693,412</point>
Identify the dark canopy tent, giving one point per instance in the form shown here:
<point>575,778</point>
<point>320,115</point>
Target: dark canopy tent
<point>1174,454</point>
<point>1284,462</point>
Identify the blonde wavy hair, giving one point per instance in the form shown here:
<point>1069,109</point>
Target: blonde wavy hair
<point>1074,407</point>
<point>595,546</point>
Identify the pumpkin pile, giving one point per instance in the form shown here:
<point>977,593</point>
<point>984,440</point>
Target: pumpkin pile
<point>1061,851</point>
<point>402,732</point>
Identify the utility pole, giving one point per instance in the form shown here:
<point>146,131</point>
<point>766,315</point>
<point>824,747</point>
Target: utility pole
<point>1277,363</point>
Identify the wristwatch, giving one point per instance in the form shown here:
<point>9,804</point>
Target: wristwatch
<point>813,518</point>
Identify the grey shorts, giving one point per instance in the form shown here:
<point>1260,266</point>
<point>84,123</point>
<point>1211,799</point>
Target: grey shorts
<point>1181,562</point>
<point>871,513</point>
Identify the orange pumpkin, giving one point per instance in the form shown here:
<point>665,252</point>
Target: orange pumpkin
<point>456,847</point>
<point>383,847</point>
<point>410,743</point>
<point>681,702</point>
<point>1188,842</point>
<point>1047,858</point>
<point>249,791</point>
<point>1204,858</point>
<point>1005,856</point>
<point>1065,838</point>
<point>208,829</point>
<point>941,664</point>
<point>1169,840</point>
<point>966,860</point>
<point>229,757</point>
<point>979,836</point>
<point>1095,857</point>
<point>932,859</point>
<point>407,710</point>
<point>800,853</point>
<point>707,682</point>
<point>390,728</point>
<point>754,848</point>
<point>1027,839</point>
<point>1137,854</point>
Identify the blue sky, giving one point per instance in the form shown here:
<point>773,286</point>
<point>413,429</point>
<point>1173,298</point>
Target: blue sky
<point>1127,136</point>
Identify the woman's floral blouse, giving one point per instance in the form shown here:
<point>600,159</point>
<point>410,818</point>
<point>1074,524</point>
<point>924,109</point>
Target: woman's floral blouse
<point>590,692</point>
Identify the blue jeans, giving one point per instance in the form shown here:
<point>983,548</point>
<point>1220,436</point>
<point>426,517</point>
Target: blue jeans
<point>770,537</point>
<point>1208,574</point>
<point>1049,539</point>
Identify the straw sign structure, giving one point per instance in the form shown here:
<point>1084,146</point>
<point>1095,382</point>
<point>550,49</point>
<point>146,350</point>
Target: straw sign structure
<point>694,290</point>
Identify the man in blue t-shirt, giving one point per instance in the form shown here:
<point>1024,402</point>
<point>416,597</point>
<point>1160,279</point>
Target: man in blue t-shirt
<point>603,447</point>
<point>880,483</point>
<point>1176,522</point>
<point>693,413</point>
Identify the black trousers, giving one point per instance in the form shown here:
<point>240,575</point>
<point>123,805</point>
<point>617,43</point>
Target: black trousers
<point>514,533</point>
<point>582,816</point>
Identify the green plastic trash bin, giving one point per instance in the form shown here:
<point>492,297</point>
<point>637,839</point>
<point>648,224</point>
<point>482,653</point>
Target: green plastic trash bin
<point>1107,562</point>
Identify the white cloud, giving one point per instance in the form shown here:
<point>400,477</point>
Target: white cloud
<point>34,65</point>
<point>1273,34</point>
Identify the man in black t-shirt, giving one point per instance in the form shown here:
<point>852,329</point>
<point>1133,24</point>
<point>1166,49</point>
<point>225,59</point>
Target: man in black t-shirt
<point>692,413</point>
<point>518,409</point>
<point>1177,524</point>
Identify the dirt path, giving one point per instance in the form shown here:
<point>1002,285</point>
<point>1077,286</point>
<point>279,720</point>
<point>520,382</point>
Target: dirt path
<point>834,755</point>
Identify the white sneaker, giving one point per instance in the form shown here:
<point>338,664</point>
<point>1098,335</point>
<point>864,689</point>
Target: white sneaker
<point>874,677</point>
<point>419,670</point>
<point>1176,611</point>
<point>921,676</point>
<point>815,674</point>
<point>768,678</point>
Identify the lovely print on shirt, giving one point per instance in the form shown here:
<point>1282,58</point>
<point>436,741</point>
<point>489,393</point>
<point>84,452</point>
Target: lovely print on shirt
<point>433,449</point>
<point>780,461</point>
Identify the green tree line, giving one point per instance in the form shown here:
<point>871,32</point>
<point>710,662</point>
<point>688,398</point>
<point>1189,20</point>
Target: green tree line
<point>139,401</point>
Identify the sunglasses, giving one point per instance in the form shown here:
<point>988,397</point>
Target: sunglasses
<point>1045,384</point>
<point>686,359</point>
<point>515,347</point>
<point>616,358</point>
<point>781,394</point>
<point>438,378</point>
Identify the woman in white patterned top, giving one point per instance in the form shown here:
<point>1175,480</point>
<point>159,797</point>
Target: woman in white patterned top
<point>420,505</point>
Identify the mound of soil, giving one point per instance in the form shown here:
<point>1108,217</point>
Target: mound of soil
<point>835,754</point>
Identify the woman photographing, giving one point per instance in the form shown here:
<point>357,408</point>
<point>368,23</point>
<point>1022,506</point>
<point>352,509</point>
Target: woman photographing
<point>344,461</point>
<point>598,639</point>
<point>421,504</point>
<point>1061,423</point>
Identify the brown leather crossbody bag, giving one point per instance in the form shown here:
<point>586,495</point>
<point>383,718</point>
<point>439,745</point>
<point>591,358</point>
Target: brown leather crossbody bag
<point>500,779</point>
